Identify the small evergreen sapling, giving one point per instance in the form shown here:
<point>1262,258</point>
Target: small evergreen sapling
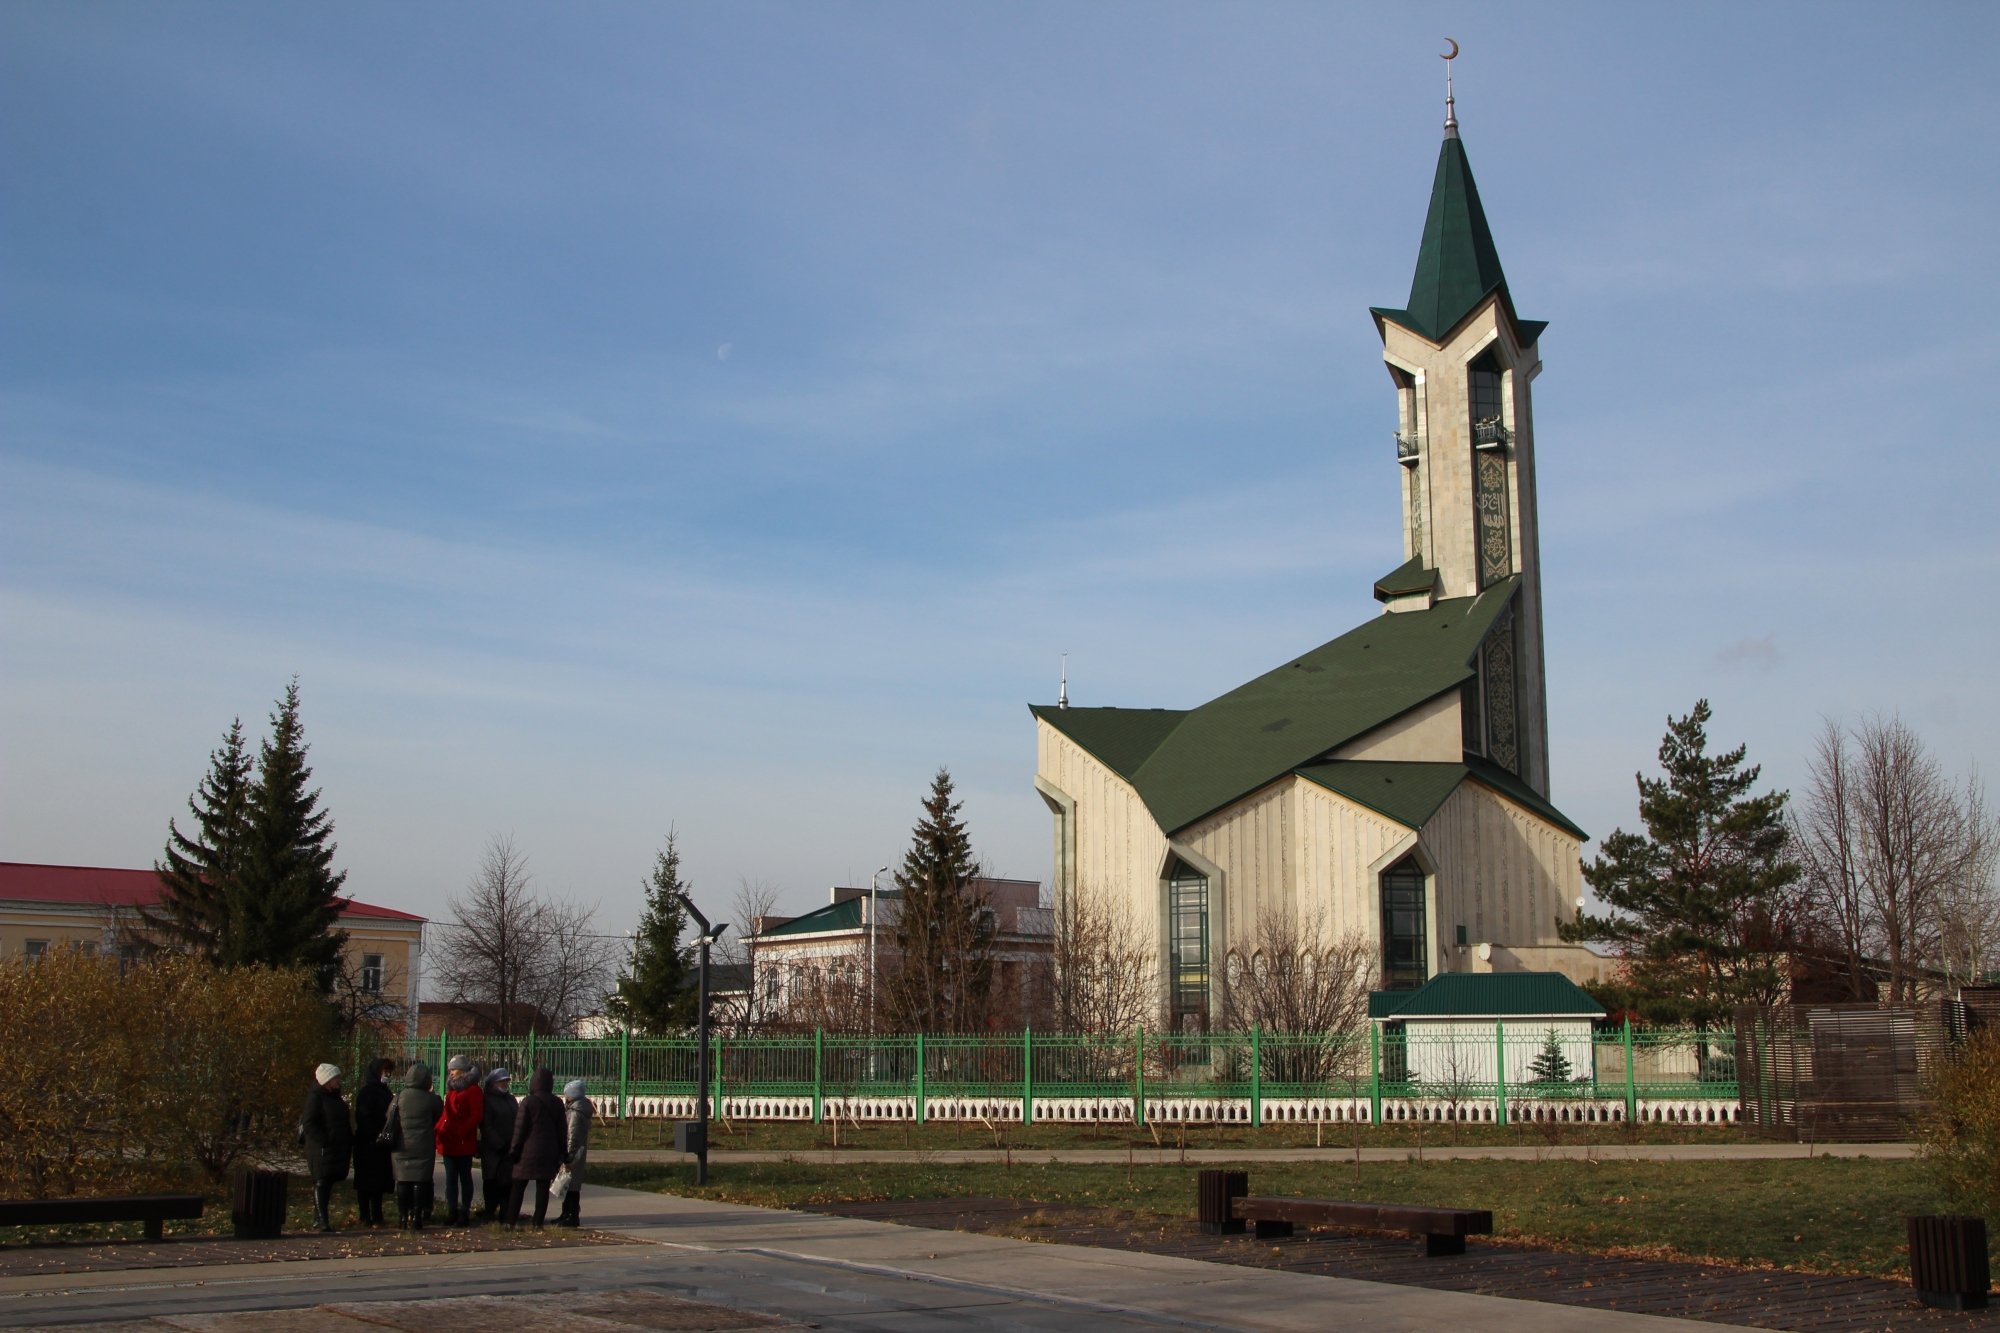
<point>1550,1064</point>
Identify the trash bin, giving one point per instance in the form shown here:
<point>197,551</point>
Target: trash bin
<point>1948,1264</point>
<point>257,1204</point>
<point>1216,1190</point>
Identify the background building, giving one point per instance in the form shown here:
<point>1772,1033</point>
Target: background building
<point>43,906</point>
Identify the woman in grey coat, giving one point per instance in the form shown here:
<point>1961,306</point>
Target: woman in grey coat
<point>496,1136</point>
<point>412,1138</point>
<point>578,1111</point>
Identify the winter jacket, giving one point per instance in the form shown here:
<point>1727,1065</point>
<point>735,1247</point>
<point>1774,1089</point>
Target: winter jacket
<point>579,1114</point>
<point>541,1137</point>
<point>496,1130</point>
<point>372,1173</point>
<point>458,1127</point>
<point>413,1128</point>
<point>326,1134</point>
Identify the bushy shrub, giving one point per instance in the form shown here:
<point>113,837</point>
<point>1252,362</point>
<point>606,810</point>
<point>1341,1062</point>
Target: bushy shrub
<point>1961,1130</point>
<point>121,1079</point>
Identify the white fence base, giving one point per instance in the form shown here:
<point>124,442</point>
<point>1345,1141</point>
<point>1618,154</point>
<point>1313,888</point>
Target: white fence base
<point>1169,1110</point>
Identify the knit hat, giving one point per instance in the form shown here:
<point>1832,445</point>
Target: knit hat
<point>572,1089</point>
<point>499,1076</point>
<point>326,1074</point>
<point>458,1064</point>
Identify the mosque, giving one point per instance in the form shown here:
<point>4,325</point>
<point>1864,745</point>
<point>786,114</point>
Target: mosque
<point>1392,784</point>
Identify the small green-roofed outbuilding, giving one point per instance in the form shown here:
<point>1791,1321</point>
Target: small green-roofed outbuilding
<point>1488,995</point>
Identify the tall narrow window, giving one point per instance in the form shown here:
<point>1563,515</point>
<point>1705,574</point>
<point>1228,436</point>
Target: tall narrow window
<point>1187,942</point>
<point>1489,471</point>
<point>371,973</point>
<point>1405,952</point>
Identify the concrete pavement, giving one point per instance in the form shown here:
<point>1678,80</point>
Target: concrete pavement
<point>833,1272</point>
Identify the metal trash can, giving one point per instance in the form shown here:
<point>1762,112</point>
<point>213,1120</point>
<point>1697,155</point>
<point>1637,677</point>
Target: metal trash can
<point>1948,1263</point>
<point>1215,1192</point>
<point>257,1203</point>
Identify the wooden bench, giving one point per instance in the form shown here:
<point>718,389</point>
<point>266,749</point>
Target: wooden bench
<point>152,1209</point>
<point>1443,1229</point>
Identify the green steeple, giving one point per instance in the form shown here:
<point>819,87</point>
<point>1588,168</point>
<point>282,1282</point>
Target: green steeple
<point>1457,265</point>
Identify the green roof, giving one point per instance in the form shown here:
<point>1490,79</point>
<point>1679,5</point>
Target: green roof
<point>1406,579</point>
<point>1187,765</point>
<point>1410,792</point>
<point>1458,265</point>
<point>834,916</point>
<point>1491,995</point>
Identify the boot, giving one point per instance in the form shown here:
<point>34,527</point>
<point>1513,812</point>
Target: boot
<point>406,1207</point>
<point>322,1197</point>
<point>572,1206</point>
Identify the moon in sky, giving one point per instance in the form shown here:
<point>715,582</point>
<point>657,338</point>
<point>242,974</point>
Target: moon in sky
<point>722,352</point>
<point>1453,53</point>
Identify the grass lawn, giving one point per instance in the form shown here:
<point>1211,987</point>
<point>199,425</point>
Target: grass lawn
<point>796,1136</point>
<point>1829,1215</point>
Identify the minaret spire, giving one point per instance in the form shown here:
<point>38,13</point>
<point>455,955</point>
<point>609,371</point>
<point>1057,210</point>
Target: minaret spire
<point>1450,103</point>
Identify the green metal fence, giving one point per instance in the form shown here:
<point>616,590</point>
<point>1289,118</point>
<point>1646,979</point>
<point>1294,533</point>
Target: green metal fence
<point>1456,1070</point>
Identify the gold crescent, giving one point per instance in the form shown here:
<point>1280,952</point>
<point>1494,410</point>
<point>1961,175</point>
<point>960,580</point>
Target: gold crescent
<point>1453,53</point>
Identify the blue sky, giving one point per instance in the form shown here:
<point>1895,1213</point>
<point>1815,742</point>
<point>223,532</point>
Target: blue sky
<point>720,416</point>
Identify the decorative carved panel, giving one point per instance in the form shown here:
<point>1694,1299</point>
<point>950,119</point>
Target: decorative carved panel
<point>1489,498</point>
<point>1503,745</point>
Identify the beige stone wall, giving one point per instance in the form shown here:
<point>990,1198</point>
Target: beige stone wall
<point>1503,873</point>
<point>1429,733</point>
<point>1119,850</point>
<point>1446,480</point>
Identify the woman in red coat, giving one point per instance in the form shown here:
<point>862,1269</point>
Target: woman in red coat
<point>458,1137</point>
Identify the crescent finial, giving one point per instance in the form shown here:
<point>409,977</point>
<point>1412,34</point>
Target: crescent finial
<point>1453,53</point>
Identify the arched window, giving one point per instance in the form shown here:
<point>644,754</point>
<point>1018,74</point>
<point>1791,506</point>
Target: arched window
<point>1187,947</point>
<point>1405,948</point>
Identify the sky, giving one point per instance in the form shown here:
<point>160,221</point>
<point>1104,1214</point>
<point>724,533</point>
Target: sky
<point>718,417</point>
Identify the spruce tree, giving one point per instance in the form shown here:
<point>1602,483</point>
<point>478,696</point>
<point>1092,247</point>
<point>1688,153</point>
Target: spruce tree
<point>657,994</point>
<point>203,869</point>
<point>943,970</point>
<point>1550,1064</point>
<point>288,908</point>
<point>1697,902</point>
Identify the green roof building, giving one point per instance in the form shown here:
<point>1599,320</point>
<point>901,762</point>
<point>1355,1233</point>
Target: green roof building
<point>1392,784</point>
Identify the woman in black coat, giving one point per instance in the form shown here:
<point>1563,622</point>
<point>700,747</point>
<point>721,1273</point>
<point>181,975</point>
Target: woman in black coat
<point>372,1176</point>
<point>328,1138</point>
<point>541,1138</point>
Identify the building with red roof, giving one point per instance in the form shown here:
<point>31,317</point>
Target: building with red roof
<point>104,909</point>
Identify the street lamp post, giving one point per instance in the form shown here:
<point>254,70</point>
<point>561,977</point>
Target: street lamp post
<point>874,881</point>
<point>697,1141</point>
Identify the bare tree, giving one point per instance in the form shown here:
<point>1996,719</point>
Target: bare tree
<point>1100,977</point>
<point>530,958</point>
<point>1302,980</point>
<point>1898,858</point>
<point>753,903</point>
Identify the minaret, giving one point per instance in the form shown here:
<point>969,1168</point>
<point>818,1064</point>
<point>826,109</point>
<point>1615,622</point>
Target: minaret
<point>1462,361</point>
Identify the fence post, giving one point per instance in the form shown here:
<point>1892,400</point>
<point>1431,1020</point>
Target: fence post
<point>715,1099</point>
<point>1256,1075</point>
<point>1500,1073</point>
<point>441,1053</point>
<point>531,1052</point>
<point>1631,1078</point>
<point>1027,1076</point>
<point>1374,1073</point>
<point>921,1071</point>
<point>1139,1075</point>
<point>624,1071</point>
<point>819,1074</point>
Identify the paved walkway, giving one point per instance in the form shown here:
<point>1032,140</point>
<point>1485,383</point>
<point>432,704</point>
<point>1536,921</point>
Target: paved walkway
<point>1601,1152</point>
<point>833,1272</point>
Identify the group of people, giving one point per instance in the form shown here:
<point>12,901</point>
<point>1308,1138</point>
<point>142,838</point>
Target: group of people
<point>393,1140</point>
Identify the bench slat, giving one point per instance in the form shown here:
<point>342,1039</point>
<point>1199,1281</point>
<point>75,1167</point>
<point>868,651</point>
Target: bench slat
<point>1413,1218</point>
<point>117,1208</point>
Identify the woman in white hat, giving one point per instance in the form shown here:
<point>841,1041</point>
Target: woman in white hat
<point>327,1135</point>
